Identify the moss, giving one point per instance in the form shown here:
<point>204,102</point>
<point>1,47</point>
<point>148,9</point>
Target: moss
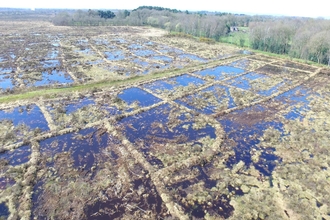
<point>203,99</point>
<point>246,207</point>
<point>302,175</point>
<point>10,134</point>
<point>243,97</point>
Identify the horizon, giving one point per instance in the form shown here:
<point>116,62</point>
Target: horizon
<point>253,7</point>
<point>118,9</point>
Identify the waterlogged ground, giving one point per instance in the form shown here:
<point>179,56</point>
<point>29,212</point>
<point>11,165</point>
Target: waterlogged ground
<point>50,56</point>
<point>247,139</point>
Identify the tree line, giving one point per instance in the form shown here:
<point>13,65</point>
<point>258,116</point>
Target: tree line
<point>197,24</point>
<point>157,9</point>
<point>303,38</point>
<point>85,18</point>
<point>106,14</point>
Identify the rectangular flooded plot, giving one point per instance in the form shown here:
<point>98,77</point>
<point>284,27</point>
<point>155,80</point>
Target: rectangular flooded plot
<point>144,53</point>
<point>82,146</point>
<point>158,66</point>
<point>221,72</point>
<point>29,115</point>
<point>82,42</point>
<point>244,129</point>
<point>192,57</point>
<point>101,41</point>
<point>95,62</point>
<point>54,77</point>
<point>211,100</point>
<point>150,43</point>
<point>148,67</point>
<point>111,70</point>
<point>74,105</point>
<point>51,63</point>
<point>244,82</point>
<point>171,51</point>
<point>167,135</point>
<point>6,82</point>
<point>268,86</point>
<point>79,112</point>
<point>6,182</point>
<point>271,69</point>
<point>150,202</point>
<point>259,83</point>
<point>135,46</point>
<point>162,58</point>
<point>201,196</point>
<point>78,155</point>
<point>299,66</point>
<point>115,55</point>
<point>263,89</point>
<point>4,211</point>
<point>139,96</point>
<point>243,97</point>
<point>296,101</point>
<point>247,64</point>
<point>21,123</point>
<point>170,84</point>
<point>242,64</point>
<point>52,55</point>
<point>16,157</point>
<point>5,70</point>
<point>92,158</point>
<point>86,51</point>
<point>9,56</point>
<point>140,62</point>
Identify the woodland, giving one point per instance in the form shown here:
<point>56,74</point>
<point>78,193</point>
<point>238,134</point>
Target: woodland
<point>297,37</point>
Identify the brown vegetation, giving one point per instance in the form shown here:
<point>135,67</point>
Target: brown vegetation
<point>245,160</point>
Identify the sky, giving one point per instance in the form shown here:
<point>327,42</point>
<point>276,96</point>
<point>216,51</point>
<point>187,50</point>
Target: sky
<point>315,8</point>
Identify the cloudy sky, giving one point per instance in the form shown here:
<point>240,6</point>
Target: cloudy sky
<point>315,8</point>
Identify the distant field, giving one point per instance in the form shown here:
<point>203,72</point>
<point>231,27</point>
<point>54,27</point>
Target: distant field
<point>132,123</point>
<point>239,38</point>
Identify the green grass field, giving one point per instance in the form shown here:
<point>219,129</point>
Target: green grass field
<point>239,38</point>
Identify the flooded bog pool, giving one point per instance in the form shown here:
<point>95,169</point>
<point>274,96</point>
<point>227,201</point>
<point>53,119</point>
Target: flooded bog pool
<point>49,78</point>
<point>115,55</point>
<point>210,100</point>
<point>16,157</point>
<point>6,82</point>
<point>29,115</point>
<point>221,72</point>
<point>4,211</point>
<point>162,132</point>
<point>21,123</point>
<point>171,84</point>
<point>139,96</point>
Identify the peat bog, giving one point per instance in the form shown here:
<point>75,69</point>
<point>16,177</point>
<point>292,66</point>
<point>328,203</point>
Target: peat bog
<point>199,135</point>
